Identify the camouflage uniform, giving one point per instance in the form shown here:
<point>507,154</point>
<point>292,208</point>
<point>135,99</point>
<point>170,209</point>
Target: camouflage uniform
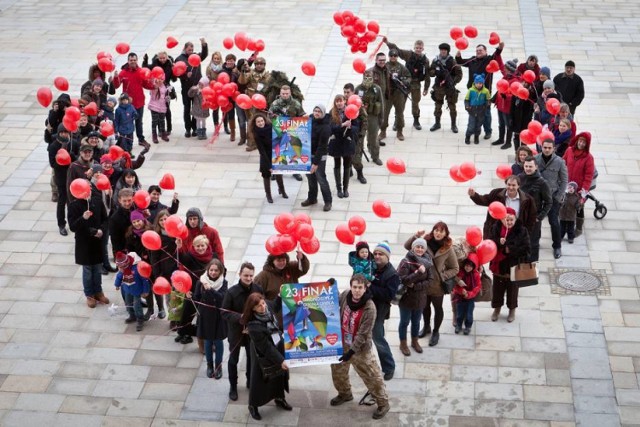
<point>287,107</point>
<point>364,362</point>
<point>447,75</point>
<point>255,83</point>
<point>397,99</point>
<point>357,158</point>
<point>373,103</point>
<point>418,66</point>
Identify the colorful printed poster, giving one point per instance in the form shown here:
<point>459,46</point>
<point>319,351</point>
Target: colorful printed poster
<point>311,322</point>
<point>291,145</point>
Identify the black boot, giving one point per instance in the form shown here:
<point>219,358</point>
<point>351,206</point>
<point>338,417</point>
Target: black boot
<point>436,125</point>
<point>454,127</point>
<point>500,139</point>
<point>345,186</point>
<point>338,176</point>
<point>361,177</point>
<point>416,123</point>
<point>476,138</point>
<point>209,370</point>
<point>280,183</point>
<point>267,189</point>
<point>233,392</point>
<point>243,135</point>
<point>467,139</point>
<point>507,143</point>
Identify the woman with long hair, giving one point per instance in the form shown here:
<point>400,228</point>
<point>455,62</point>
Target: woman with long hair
<point>342,144</point>
<point>261,128</point>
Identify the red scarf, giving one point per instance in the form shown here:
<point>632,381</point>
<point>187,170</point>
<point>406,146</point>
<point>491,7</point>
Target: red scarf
<point>203,258</point>
<point>350,324</point>
<point>494,265</point>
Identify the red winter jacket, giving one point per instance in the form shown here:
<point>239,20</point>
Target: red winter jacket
<point>580,164</point>
<point>132,84</point>
<point>472,286</point>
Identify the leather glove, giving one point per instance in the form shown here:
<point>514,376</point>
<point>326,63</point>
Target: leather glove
<point>348,355</point>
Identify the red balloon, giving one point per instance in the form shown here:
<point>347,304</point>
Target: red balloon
<point>347,16</point>
<point>151,240</point>
<point>241,40</point>
<point>243,101</point>
<point>194,60</point>
<point>144,268</point>
<point>553,106</point>
<point>308,68</point>
<point>351,111</point>
<point>228,90</point>
<point>284,223</point>
<point>259,101</point>
<point>103,183</point>
<point>310,247</point>
<point>471,31</point>
<point>527,137</point>
<point>497,210</point>
<point>272,245</point>
<point>115,152</point>
<point>503,86</point>
<point>302,218</point>
<point>454,173</point>
<point>157,73</point>
<point>69,124</point>
<point>455,33</point>
<point>161,285</point>
<point>486,251</point>
<point>167,182</point>
<point>348,31</point>
<point>396,165</point>
<point>75,103</point>
<point>345,235</point>
<point>179,68</point>
<point>106,65</point>
<point>61,84</point>
<point>359,66</point>
<point>183,232</point>
<point>172,225</point>
<point>223,78</point>
<point>374,27</point>
<point>304,232</point>
<point>535,127</point>
<point>381,208</point>
<point>80,188</point>
<point>260,45</point>
<point>357,225</point>
<point>494,38</point>
<point>355,49</point>
<point>529,76</point>
<point>106,128</point>
<point>44,96</point>
<point>103,54</point>
<point>473,236</point>
<point>545,135</point>
<point>492,66</point>
<point>467,170</point>
<point>73,113</point>
<point>337,18</point>
<point>142,199</point>
<point>523,93</point>
<point>462,43</point>
<point>171,42</point>
<point>287,242</point>
<point>145,73</point>
<point>63,158</point>
<point>251,45</point>
<point>360,26</point>
<point>122,48</point>
<point>227,42</point>
<point>181,281</point>
<point>503,171</point>
<point>514,87</point>
<point>91,109</point>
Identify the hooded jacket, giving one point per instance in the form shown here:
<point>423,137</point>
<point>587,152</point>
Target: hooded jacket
<point>580,164</point>
<point>270,278</point>
<point>124,120</point>
<point>203,228</point>
<point>470,282</point>
<point>416,283</point>
<point>320,133</point>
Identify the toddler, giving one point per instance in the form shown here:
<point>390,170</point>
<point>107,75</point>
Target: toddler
<point>134,286</point>
<point>467,287</point>
<point>476,103</point>
<point>568,211</point>
<point>361,260</point>
<point>124,123</point>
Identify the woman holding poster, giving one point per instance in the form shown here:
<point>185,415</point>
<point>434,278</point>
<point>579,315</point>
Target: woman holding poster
<point>269,371</point>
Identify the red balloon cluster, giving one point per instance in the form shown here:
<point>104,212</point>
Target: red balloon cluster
<point>354,100</point>
<point>244,42</point>
<point>518,90</point>
<point>346,233</point>
<point>461,36</point>
<point>221,93</point>
<point>463,172</point>
<point>396,166</point>
<point>293,230</point>
<point>105,62</point>
<point>308,68</point>
<point>70,118</point>
<point>352,111</point>
<point>357,31</point>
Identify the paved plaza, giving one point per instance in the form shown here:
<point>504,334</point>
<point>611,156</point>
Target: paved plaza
<point>568,359</point>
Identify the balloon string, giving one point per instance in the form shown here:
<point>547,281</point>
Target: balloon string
<point>375,51</point>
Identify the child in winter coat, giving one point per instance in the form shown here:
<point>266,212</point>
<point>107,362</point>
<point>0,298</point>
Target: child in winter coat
<point>361,260</point>
<point>568,211</point>
<point>124,123</point>
<point>198,111</point>
<point>476,103</point>
<point>562,136</point>
<point>158,101</point>
<point>467,287</point>
<point>135,286</point>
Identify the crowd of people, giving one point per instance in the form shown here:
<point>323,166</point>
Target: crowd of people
<point>551,184</point>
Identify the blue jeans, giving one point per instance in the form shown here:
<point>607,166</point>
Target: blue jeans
<point>406,316</point>
<point>208,351</point>
<point>554,223</point>
<point>125,141</point>
<point>384,351</point>
<point>487,121</point>
<point>319,179</point>
<point>474,125</point>
<point>92,279</point>
<point>464,312</point>
<point>134,305</point>
<point>139,132</point>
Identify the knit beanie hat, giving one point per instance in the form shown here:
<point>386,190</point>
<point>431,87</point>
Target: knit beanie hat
<point>361,245</point>
<point>97,82</point>
<point>384,248</point>
<point>322,108</point>
<point>113,100</point>
<point>204,81</point>
<point>548,84</point>
<point>96,167</point>
<point>136,215</point>
<point>546,71</point>
<point>570,64</point>
<point>511,211</point>
<point>478,78</point>
<point>123,260</point>
<point>105,158</point>
<point>419,242</point>
<point>511,65</point>
<point>574,185</point>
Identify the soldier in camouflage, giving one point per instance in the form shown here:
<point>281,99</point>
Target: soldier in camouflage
<point>418,65</point>
<point>285,105</point>
<point>447,74</point>
<point>373,103</point>
<point>399,82</point>
<point>255,81</point>
<point>348,90</point>
<point>380,75</point>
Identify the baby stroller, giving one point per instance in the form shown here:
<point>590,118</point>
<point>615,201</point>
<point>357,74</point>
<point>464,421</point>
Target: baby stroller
<point>601,210</point>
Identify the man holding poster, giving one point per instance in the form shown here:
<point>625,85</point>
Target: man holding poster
<point>357,316</point>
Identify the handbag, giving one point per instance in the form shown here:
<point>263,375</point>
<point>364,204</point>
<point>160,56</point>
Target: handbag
<point>524,274</point>
<point>485,293</point>
<point>270,372</point>
<point>402,289</point>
